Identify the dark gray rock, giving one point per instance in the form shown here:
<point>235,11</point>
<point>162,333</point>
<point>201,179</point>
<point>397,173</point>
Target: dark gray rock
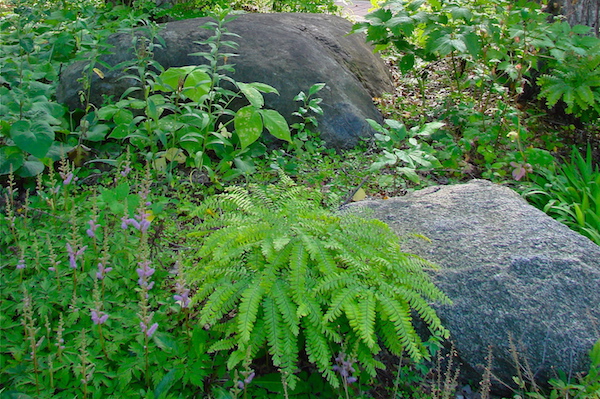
<point>510,270</point>
<point>290,52</point>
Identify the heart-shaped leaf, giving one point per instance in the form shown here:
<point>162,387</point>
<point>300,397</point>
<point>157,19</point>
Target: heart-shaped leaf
<point>34,138</point>
<point>11,158</point>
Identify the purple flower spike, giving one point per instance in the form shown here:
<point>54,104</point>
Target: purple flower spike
<point>151,330</point>
<point>101,273</point>
<point>183,299</point>
<point>249,379</point>
<point>73,255</point>
<point>126,170</point>
<point>68,178</point>
<point>99,317</point>
<point>91,232</point>
<point>144,273</point>
<point>148,331</point>
<point>21,264</point>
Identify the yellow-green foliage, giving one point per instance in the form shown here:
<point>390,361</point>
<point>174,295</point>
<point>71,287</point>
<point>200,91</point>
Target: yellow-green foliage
<point>278,271</point>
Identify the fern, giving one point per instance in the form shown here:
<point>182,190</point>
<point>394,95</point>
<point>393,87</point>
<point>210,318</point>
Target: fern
<point>276,271</point>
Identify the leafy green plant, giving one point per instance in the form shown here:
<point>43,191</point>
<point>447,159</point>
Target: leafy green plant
<point>277,272</point>
<point>187,112</point>
<point>570,193</point>
<point>305,136</point>
<point>586,385</point>
<point>576,82</point>
<point>402,150</point>
<point>30,120</point>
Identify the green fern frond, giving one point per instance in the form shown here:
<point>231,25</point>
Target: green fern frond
<point>334,283</point>
<point>365,318</point>
<point>399,314</point>
<point>318,351</point>
<point>282,343</point>
<point>364,355</point>
<point>339,301</point>
<point>298,272</point>
<point>248,309</point>
<point>272,327</point>
<point>387,332</point>
<point>223,345</point>
<point>221,301</point>
<point>286,307</point>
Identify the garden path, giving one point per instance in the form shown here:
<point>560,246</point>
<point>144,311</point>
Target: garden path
<point>357,9</point>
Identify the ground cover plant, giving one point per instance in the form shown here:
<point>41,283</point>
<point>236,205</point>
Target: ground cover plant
<point>114,249</point>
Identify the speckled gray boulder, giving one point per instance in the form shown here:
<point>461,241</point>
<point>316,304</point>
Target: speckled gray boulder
<point>510,270</point>
<point>290,52</point>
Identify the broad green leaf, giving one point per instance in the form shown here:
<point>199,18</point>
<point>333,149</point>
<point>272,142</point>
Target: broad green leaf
<point>245,166</point>
<point>314,89</point>
<point>120,132</point>
<point>248,125</point>
<point>263,87</point>
<point>107,112</point>
<point>152,110</point>
<point>52,111</point>
<point>10,156</point>
<point>34,138</point>
<point>471,40</point>
<point>197,85</point>
<point>276,124</point>
<point>97,133</point>
<point>461,13</point>
<point>407,62</point>
<point>123,116</point>
<point>31,167</point>
<point>171,79</point>
<point>253,95</point>
<point>410,173</point>
<point>58,151</point>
